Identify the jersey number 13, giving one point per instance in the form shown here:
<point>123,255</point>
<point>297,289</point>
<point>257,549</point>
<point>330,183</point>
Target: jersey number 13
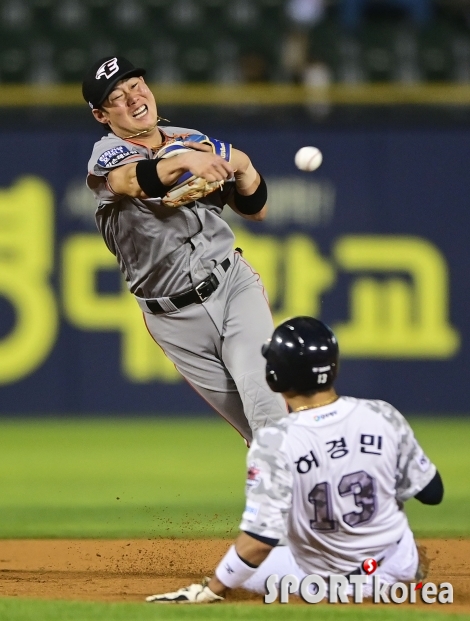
<point>361,485</point>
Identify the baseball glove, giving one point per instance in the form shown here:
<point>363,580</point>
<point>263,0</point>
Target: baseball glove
<point>188,187</point>
<point>193,594</point>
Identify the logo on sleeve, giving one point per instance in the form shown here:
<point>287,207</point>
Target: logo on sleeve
<point>423,462</point>
<point>253,477</point>
<point>114,156</point>
<point>251,511</point>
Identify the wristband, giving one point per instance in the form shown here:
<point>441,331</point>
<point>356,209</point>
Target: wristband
<point>232,570</point>
<point>148,179</point>
<point>249,205</point>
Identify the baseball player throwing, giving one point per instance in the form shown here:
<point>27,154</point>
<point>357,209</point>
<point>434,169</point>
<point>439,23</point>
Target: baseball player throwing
<point>332,476</point>
<point>160,194</point>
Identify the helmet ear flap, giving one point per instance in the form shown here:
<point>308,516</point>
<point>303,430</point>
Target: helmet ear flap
<point>278,372</point>
<point>271,378</point>
<point>265,348</point>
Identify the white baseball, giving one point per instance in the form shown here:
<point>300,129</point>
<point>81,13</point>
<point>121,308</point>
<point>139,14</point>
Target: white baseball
<point>308,158</point>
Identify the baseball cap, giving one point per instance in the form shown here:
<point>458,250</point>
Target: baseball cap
<point>104,75</point>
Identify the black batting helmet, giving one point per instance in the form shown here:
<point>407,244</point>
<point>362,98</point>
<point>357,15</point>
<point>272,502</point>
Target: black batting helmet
<point>301,356</point>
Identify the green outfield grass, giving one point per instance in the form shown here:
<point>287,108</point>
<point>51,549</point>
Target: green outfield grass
<point>120,478</point>
<point>185,478</point>
<point>34,610</point>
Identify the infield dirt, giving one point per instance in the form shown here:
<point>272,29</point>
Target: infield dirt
<point>128,570</point>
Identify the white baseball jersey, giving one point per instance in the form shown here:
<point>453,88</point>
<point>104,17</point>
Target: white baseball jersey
<point>333,480</point>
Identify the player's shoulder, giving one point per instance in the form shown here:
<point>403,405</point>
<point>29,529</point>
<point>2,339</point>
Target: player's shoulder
<point>179,132</point>
<point>110,140</point>
<point>382,409</point>
<point>111,151</point>
<point>270,446</point>
<point>273,436</point>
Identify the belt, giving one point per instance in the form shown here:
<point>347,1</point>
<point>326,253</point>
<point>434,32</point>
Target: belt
<point>198,295</point>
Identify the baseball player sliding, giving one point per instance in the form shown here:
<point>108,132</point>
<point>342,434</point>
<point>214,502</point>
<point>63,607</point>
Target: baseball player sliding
<point>160,194</point>
<point>332,476</point>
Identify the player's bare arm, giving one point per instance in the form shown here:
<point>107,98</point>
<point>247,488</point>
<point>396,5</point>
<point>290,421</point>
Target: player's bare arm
<point>247,179</point>
<point>123,180</point>
<point>250,551</point>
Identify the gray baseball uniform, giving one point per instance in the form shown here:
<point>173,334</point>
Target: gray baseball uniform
<point>163,252</point>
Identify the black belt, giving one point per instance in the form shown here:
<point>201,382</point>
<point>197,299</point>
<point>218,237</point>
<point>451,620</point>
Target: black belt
<point>196,296</point>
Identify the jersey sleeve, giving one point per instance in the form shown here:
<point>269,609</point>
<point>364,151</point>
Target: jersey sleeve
<point>108,154</point>
<point>414,468</point>
<point>268,486</point>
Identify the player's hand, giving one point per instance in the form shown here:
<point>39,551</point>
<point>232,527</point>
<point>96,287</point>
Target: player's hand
<point>193,594</point>
<point>198,146</point>
<point>207,165</point>
<point>239,161</point>
<point>202,162</point>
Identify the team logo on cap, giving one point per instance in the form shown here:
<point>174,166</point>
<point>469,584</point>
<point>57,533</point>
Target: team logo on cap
<point>107,69</point>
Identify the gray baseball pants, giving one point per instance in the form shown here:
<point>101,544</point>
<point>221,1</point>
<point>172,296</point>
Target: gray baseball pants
<point>216,346</point>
